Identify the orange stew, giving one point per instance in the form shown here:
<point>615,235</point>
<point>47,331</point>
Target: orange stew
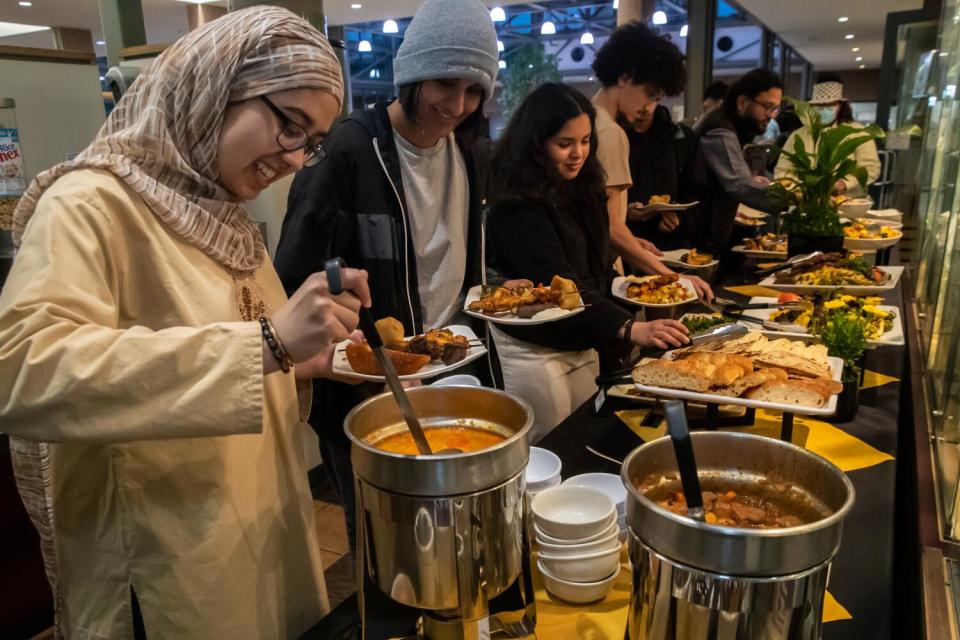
<point>464,438</point>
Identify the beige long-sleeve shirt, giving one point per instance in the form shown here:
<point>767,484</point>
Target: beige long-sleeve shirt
<point>865,155</point>
<point>173,460</point>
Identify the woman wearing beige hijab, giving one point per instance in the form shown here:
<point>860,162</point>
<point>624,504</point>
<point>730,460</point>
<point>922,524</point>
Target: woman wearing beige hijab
<point>149,356</point>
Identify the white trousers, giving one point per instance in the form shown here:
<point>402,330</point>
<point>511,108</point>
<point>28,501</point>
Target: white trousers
<point>554,383</point>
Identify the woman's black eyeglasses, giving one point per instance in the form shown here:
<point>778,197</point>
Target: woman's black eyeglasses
<point>292,137</point>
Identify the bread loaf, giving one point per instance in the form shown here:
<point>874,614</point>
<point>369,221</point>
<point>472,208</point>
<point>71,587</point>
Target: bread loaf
<point>804,393</point>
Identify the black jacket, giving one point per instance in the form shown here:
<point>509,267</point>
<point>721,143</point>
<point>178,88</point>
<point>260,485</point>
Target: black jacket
<point>536,240</point>
<point>659,163</point>
<point>352,205</point>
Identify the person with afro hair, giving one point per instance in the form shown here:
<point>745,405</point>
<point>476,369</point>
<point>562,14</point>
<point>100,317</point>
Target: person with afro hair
<point>636,68</point>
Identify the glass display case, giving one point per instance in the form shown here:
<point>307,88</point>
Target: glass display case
<point>938,267</point>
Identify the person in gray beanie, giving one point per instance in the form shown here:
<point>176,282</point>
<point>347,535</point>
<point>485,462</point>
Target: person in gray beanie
<point>399,194</point>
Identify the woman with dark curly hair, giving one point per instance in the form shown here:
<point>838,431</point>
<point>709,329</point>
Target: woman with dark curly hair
<point>636,67</point>
<point>549,218</point>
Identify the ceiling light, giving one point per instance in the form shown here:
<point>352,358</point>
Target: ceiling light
<point>849,36</point>
<point>590,78</point>
<point>548,28</point>
<point>842,19</point>
<point>859,58</point>
<point>499,45</point>
<point>365,46</point>
<point>497,14</point>
<point>100,43</point>
<point>863,66</point>
<point>102,78</point>
<point>24,3</point>
<point>390,26</point>
<point>616,4</point>
<point>356,5</point>
<point>659,17</point>
<point>855,49</point>
<point>502,64</point>
<point>684,30</point>
<point>17,29</point>
<point>586,38</point>
<point>374,73</point>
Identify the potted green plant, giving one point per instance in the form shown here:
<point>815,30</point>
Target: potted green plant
<point>844,335</point>
<point>812,221</point>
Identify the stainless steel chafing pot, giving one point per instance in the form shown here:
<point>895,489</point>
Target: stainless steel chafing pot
<point>696,581</point>
<point>441,533</point>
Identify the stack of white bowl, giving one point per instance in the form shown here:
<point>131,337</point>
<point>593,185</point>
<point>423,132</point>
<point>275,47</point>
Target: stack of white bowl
<point>578,539</point>
<point>543,471</point>
<point>610,484</point>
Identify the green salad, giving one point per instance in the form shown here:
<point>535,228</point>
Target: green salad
<point>700,322</point>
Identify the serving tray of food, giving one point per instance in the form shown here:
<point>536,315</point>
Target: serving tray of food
<point>870,235</point>
<point>687,258</point>
<point>662,203</point>
<point>768,245</point>
<point>833,271</point>
<point>798,316</point>
<point>524,305</point>
<point>415,358</point>
<point>752,371</point>
<point>654,291</point>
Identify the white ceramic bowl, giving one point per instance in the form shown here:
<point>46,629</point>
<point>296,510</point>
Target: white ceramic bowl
<point>893,224</point>
<point>543,470</point>
<point>546,537</point>
<point>609,483</point>
<point>855,207</point>
<point>460,378</point>
<point>588,567</point>
<point>609,541</point>
<point>577,592</point>
<point>570,512</point>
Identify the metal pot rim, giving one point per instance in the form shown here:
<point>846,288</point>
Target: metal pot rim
<point>522,432</point>
<point>780,532</point>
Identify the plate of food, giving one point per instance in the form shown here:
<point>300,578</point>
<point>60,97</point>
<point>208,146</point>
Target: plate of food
<point>751,371</point>
<point>750,213</point>
<point>802,316</point>
<point>415,358</point>
<point>700,322</point>
<point>870,235</point>
<point>687,258</point>
<point>769,245</point>
<point>525,305</point>
<point>661,203</point>
<point>654,291</point>
<point>749,222</point>
<point>833,271</point>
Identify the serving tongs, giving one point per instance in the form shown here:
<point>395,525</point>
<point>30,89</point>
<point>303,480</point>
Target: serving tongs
<point>369,329</point>
<point>719,333</point>
<point>686,461</point>
<point>791,262</point>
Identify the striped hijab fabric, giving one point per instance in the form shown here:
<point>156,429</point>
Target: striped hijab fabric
<point>163,135</point>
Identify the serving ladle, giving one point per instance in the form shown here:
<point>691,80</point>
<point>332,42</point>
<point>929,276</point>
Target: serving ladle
<point>686,462</point>
<point>333,269</point>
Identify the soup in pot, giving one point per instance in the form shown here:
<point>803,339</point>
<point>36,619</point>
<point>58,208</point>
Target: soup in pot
<point>466,439</point>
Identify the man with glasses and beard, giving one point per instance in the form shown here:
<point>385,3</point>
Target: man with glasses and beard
<point>722,179</point>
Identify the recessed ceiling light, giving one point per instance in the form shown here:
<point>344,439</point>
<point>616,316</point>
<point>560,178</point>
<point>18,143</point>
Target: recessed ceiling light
<point>24,3</point>
<point>616,4</point>
<point>102,78</point>
<point>502,64</point>
<point>499,45</point>
<point>855,49</point>
<point>849,36</point>
<point>364,46</point>
<point>586,38</point>
<point>497,14</point>
<point>548,28</point>
<point>356,5</point>
<point>863,66</point>
<point>100,43</point>
<point>390,26</point>
<point>842,19</point>
<point>659,17</point>
<point>684,30</point>
<point>859,58</point>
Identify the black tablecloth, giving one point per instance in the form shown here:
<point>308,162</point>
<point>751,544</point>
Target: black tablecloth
<point>861,578</point>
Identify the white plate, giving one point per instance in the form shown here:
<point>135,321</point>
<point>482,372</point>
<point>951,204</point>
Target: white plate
<point>753,214</point>
<point>890,285</point>
<point>619,290</point>
<point>433,368</point>
<point>756,253</point>
<point>836,369</point>
<point>894,337</point>
<point>749,222</point>
<point>888,215</point>
<point>548,315</point>
<point>870,244</point>
<point>675,259</point>
<point>672,206</point>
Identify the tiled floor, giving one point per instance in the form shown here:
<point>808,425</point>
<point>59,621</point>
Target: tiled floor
<point>332,531</point>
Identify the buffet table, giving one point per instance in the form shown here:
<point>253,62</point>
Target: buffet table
<point>860,603</point>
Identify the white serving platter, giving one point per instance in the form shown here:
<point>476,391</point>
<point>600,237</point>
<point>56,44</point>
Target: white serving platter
<point>889,285</point>
<point>894,337</point>
<point>341,366</point>
<point>674,258</point>
<point>548,315</point>
<point>871,244</point>
<point>619,290</point>
<point>836,370</point>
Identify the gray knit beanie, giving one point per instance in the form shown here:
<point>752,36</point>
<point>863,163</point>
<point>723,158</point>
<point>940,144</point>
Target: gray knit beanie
<point>449,39</point>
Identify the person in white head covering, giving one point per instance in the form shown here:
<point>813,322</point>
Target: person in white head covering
<point>149,355</point>
<point>834,109</point>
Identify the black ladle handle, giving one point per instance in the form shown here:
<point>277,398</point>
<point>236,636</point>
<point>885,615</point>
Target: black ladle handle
<point>335,283</point>
<point>686,462</point>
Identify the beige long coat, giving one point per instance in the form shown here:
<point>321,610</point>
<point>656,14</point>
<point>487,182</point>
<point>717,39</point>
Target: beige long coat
<point>174,468</point>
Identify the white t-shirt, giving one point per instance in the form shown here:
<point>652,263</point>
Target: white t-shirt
<point>438,201</point>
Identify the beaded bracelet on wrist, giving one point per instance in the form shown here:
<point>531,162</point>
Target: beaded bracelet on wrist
<point>274,344</point>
